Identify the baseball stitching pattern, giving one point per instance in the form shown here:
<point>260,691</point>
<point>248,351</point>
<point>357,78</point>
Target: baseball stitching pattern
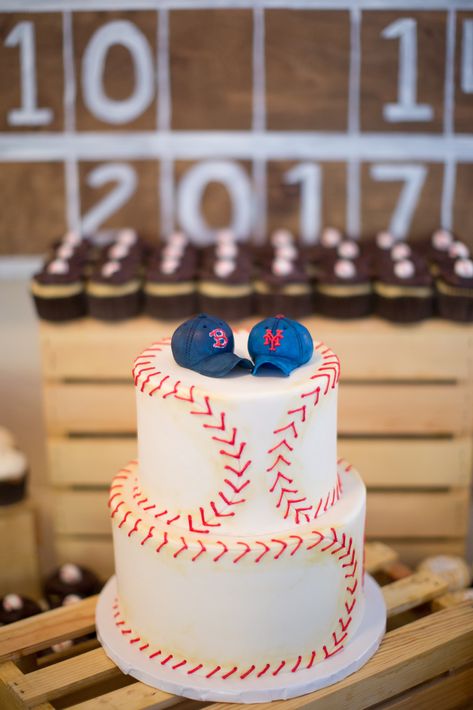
<point>289,500</point>
<point>342,549</point>
<point>192,546</point>
<point>236,465</point>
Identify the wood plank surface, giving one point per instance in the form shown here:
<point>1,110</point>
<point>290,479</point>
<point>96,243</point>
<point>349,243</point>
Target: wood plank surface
<point>364,409</point>
<point>370,348</point>
<point>453,691</point>
<point>415,549</point>
<point>19,550</point>
<point>412,591</point>
<point>37,633</point>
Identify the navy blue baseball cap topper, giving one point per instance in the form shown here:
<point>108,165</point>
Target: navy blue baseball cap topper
<point>279,343</point>
<point>205,344</point>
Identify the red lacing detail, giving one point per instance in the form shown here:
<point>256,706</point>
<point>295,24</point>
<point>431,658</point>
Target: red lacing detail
<point>289,500</point>
<point>230,449</point>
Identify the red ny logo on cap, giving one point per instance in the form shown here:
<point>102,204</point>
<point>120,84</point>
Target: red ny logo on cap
<point>274,341</point>
<point>219,336</point>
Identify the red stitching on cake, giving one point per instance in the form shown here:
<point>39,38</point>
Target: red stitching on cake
<point>219,514</point>
<point>279,668</point>
<point>264,670</point>
<point>194,670</point>
<point>248,672</point>
<point>128,512</point>
<point>229,438</point>
<point>134,528</point>
<point>297,506</point>
<point>164,542</point>
<point>201,551</point>
<point>337,545</point>
<point>221,554</point>
<point>185,546</point>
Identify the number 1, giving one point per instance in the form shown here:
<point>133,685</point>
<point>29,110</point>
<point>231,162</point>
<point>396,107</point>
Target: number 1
<point>29,114</point>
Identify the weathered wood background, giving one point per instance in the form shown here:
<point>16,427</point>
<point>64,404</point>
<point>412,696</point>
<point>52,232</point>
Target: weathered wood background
<point>235,96</point>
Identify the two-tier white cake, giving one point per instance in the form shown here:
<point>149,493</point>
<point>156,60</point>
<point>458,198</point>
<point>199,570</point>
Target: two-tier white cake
<point>238,535</point>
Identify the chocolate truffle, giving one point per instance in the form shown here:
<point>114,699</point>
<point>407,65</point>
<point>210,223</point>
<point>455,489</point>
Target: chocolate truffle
<point>13,474</point>
<point>454,286</point>
<point>70,579</point>
<point>14,607</point>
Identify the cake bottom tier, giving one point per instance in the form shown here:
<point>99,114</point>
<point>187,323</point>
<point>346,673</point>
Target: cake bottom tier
<point>244,607</point>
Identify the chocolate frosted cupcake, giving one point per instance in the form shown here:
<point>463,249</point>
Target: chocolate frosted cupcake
<point>454,286</point>
<point>317,255</point>
<point>344,289</point>
<point>225,285</point>
<point>14,607</point>
<point>70,580</point>
<point>170,289</point>
<point>283,286</point>
<point>58,291</point>
<point>114,290</point>
<point>404,292</point>
<point>13,474</point>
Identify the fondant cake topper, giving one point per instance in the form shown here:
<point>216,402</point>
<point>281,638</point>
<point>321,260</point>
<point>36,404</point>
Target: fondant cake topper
<point>279,343</point>
<point>205,344</point>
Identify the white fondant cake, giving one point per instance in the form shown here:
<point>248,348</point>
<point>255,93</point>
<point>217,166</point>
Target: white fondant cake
<point>238,537</point>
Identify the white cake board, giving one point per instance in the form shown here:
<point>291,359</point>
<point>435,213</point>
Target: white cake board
<point>361,647</point>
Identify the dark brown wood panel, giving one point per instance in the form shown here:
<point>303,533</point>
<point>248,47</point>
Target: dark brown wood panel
<point>379,199</point>
<point>463,206</point>
<point>47,29</point>
<point>380,68</point>
<point>211,69</point>
<point>32,206</point>
<point>119,74</point>
<point>463,122</point>
<point>141,211</point>
<point>284,201</point>
<point>307,70</point>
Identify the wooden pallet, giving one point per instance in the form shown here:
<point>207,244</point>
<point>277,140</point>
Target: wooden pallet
<point>406,422</point>
<point>425,660</point>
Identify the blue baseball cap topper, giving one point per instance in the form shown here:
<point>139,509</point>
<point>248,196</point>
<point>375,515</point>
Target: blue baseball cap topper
<point>279,343</point>
<point>205,344</point>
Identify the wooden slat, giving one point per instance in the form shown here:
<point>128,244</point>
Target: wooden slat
<point>386,463</point>
<point>378,555</point>
<point>30,635</point>
<point>368,348</point>
<point>67,677</point>
<point>442,514</point>
<point>412,591</point>
<point>136,696</point>
<point>410,463</point>
<point>364,409</point>
<point>412,551</point>
<point>88,461</point>
<point>19,550</point>
<point>413,514</point>
<point>449,692</point>
<point>410,655</point>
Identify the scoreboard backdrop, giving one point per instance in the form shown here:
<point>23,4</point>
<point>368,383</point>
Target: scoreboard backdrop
<point>249,113</point>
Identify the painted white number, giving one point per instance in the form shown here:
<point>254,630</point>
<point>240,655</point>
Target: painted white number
<point>309,176</point>
<point>124,33</point>
<point>191,191</point>
<point>467,57</point>
<point>406,107</point>
<point>126,180</point>
<point>29,114</point>
<point>413,177</point>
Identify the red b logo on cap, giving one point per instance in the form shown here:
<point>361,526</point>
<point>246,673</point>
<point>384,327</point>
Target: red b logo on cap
<point>219,336</point>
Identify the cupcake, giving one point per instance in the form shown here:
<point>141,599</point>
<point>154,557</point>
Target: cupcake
<point>325,250</point>
<point>70,581</point>
<point>404,292</point>
<point>13,474</point>
<point>170,289</point>
<point>14,607</point>
<point>283,286</point>
<point>114,290</point>
<point>58,291</point>
<point>344,289</point>
<point>454,287</point>
<point>225,285</point>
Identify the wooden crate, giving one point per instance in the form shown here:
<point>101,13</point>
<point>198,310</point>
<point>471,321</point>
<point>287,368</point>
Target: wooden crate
<point>406,422</point>
<point>19,550</point>
<point>424,661</point>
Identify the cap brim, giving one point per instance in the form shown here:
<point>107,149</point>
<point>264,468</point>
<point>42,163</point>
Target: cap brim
<point>283,364</point>
<point>221,364</point>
